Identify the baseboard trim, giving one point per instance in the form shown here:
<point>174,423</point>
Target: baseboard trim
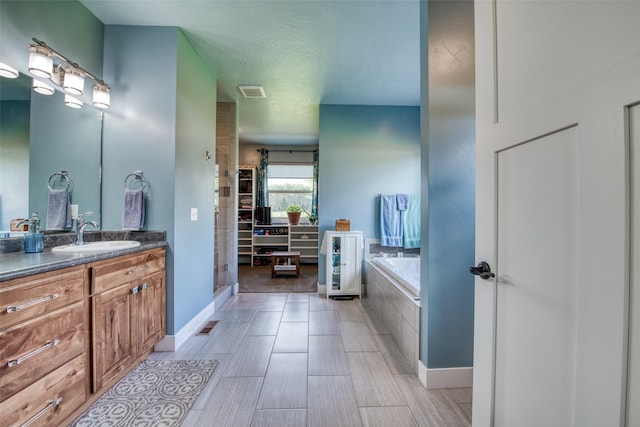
<point>173,342</point>
<point>448,377</point>
<point>322,289</point>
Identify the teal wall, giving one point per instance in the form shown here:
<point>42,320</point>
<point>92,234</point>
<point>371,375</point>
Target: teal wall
<point>67,26</point>
<point>364,151</point>
<point>69,139</point>
<point>57,23</point>
<point>161,121</point>
<point>449,169</point>
<point>14,160</point>
<point>195,183</point>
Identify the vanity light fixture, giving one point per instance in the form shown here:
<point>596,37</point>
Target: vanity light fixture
<point>73,81</point>
<point>72,102</point>
<point>8,71</point>
<point>48,63</point>
<point>42,88</point>
<point>101,95</point>
<point>40,61</point>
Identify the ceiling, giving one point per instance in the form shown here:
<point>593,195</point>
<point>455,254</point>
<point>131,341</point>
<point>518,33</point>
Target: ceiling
<point>303,52</point>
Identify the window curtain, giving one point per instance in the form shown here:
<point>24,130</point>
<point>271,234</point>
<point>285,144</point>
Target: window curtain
<point>261,182</point>
<point>314,194</point>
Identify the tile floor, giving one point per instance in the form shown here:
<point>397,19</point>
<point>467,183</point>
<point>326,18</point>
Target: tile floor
<point>301,360</point>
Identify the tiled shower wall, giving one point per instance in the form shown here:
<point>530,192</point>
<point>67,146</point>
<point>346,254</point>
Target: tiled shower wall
<point>225,270</point>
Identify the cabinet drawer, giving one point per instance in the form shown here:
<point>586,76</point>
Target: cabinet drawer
<point>113,273</point>
<point>26,298</point>
<point>50,400</point>
<point>32,349</point>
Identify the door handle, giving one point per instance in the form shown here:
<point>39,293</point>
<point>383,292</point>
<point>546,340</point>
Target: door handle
<point>483,270</point>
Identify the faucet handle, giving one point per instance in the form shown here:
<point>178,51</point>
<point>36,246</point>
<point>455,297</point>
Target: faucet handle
<point>82,215</point>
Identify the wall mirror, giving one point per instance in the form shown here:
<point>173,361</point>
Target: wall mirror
<point>40,136</point>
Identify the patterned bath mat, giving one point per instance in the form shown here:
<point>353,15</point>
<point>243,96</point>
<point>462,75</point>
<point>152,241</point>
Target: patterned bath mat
<point>156,393</point>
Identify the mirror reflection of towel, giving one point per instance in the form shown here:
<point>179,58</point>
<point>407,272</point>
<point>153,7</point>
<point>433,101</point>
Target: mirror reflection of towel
<point>58,210</point>
<point>133,210</point>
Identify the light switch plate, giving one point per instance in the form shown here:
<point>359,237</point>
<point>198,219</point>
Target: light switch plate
<point>194,214</point>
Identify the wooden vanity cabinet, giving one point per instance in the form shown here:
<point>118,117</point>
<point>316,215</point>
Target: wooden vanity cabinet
<point>43,347</point>
<point>127,312</point>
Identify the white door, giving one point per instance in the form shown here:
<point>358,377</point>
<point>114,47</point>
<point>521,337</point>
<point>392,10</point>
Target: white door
<point>633,406</point>
<point>550,345</point>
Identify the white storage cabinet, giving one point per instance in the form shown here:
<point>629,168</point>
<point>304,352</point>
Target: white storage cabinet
<point>344,262</point>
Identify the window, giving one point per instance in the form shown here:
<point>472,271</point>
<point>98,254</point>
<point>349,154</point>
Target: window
<point>289,184</point>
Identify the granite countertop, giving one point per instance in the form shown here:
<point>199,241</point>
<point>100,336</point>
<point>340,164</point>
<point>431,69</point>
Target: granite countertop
<point>19,264</point>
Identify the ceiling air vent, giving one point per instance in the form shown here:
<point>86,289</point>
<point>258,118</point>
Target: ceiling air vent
<point>252,91</point>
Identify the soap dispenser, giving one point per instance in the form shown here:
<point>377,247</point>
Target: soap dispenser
<point>34,239</point>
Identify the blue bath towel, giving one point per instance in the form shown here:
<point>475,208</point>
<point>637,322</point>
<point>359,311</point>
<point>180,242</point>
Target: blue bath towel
<point>390,222</point>
<point>403,201</point>
<point>411,223</point>
<point>133,210</point>
<point>58,210</point>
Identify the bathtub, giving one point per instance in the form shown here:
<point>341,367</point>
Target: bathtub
<point>392,287</point>
<point>405,271</point>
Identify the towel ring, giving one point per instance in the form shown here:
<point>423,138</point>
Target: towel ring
<point>64,175</point>
<point>137,175</point>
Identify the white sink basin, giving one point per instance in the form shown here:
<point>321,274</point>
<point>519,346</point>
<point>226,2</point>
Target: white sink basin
<point>102,246</point>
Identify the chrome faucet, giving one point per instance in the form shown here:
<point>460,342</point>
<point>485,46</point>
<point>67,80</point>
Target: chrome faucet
<point>80,225</point>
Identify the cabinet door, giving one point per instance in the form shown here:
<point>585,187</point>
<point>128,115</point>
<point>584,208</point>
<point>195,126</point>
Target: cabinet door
<point>150,303</point>
<point>114,341</point>
<point>335,263</point>
<point>351,264</point>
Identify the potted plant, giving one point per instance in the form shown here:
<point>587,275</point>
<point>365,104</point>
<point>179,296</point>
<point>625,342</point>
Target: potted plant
<point>293,212</point>
<point>313,218</point>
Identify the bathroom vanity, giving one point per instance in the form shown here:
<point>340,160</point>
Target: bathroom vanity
<point>73,325</point>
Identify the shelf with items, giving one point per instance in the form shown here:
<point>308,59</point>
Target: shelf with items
<point>268,239</point>
<point>304,239</point>
<point>246,194</point>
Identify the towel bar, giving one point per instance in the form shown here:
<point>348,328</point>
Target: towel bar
<point>64,175</point>
<point>137,175</point>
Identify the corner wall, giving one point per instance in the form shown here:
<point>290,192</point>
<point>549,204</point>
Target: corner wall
<point>364,151</point>
<point>448,143</point>
<point>162,121</point>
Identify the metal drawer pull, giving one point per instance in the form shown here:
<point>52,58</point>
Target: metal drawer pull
<point>144,286</point>
<point>50,404</point>
<point>45,298</point>
<point>19,360</point>
<point>132,271</point>
<point>134,290</point>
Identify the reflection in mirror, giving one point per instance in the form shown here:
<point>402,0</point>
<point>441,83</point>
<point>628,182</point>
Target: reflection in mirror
<point>40,136</point>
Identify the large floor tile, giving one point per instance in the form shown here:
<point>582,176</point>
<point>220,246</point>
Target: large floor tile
<point>327,356</point>
<point>225,338</point>
<point>251,358</point>
<point>279,418</point>
<point>332,402</point>
<point>265,323</point>
<point>323,323</point>
<point>356,337</point>
<point>273,302</point>
<point>296,312</point>
<point>293,337</point>
<point>285,385</point>
<point>390,416</point>
<point>373,383</point>
<point>397,362</point>
<point>430,408</point>
<point>232,403</point>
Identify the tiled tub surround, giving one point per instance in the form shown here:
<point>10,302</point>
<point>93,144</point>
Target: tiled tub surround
<point>15,263</point>
<point>396,308</point>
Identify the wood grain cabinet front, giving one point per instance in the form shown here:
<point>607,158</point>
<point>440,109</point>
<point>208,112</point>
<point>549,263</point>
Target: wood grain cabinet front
<point>43,345</point>
<point>48,401</point>
<point>128,317</point>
